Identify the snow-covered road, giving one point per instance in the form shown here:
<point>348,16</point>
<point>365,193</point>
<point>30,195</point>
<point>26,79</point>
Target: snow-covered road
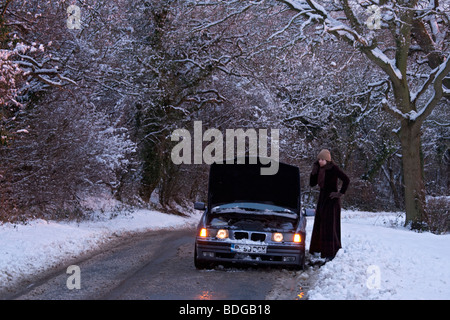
<point>379,259</point>
<point>40,245</point>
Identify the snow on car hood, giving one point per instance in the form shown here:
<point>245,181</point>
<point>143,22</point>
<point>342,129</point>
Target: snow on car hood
<point>230,183</point>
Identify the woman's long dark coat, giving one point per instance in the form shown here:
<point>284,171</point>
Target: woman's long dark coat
<point>326,235</point>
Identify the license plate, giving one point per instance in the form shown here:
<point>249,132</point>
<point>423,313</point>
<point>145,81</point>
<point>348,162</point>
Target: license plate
<point>248,248</point>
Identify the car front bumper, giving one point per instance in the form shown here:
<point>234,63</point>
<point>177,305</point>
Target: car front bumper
<point>216,251</point>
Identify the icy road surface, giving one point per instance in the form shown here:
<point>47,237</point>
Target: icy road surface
<point>154,265</point>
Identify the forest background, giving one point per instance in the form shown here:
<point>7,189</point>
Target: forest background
<point>90,94</point>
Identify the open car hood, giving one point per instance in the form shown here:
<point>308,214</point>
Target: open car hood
<point>244,183</point>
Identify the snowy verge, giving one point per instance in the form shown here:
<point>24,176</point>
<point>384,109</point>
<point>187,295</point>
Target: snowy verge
<point>380,259</point>
<point>40,245</point>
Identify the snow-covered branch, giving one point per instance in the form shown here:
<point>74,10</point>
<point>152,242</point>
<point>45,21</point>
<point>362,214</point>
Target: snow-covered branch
<point>431,78</point>
<point>211,24</point>
<point>39,71</point>
<point>393,110</point>
<point>312,9</point>
<point>440,73</point>
<point>439,124</point>
<point>286,26</point>
<point>446,92</point>
<point>388,65</point>
<point>348,33</point>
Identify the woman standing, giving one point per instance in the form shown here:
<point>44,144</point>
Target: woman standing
<point>326,234</point>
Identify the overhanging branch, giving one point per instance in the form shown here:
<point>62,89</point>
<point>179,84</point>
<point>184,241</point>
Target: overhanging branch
<point>442,71</point>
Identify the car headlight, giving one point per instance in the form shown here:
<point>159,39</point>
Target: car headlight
<point>222,234</point>
<point>277,237</point>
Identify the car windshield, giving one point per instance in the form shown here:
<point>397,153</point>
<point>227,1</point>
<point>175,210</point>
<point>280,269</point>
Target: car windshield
<point>254,208</point>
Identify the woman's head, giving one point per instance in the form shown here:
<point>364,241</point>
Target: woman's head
<point>324,157</point>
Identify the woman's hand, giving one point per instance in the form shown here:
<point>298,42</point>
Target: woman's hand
<point>335,195</point>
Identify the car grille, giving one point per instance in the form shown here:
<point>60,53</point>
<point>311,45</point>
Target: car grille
<point>258,236</point>
<point>255,236</point>
<point>240,235</point>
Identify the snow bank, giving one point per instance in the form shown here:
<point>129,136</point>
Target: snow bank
<point>406,264</point>
<point>40,245</point>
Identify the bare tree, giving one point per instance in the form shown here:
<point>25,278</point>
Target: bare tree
<point>408,42</point>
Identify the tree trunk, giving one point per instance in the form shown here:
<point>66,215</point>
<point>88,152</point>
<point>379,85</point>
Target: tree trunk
<point>389,173</point>
<point>412,173</point>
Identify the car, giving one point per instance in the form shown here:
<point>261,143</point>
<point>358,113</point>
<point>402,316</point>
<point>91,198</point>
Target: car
<point>251,218</point>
